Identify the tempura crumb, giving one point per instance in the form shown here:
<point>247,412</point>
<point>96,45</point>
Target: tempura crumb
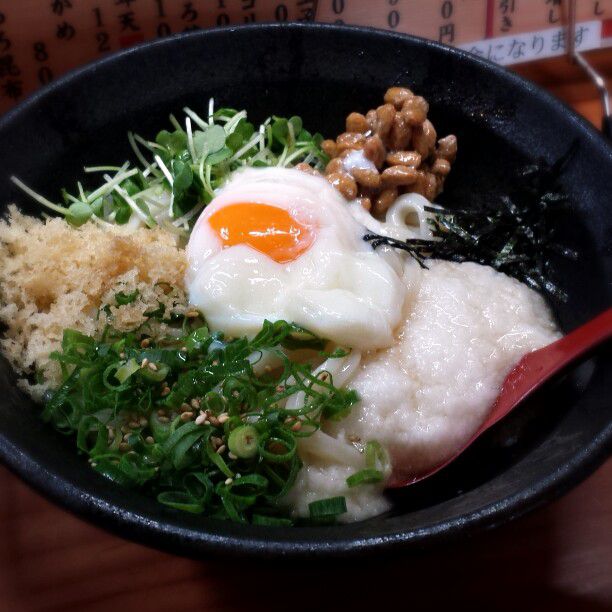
<point>54,276</point>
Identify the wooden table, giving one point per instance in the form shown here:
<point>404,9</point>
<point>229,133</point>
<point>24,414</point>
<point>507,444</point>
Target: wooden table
<point>557,558</point>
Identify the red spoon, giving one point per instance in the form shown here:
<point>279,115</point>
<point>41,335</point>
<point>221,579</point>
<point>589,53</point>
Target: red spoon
<point>531,372</point>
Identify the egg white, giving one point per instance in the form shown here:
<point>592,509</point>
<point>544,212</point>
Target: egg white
<point>340,288</point>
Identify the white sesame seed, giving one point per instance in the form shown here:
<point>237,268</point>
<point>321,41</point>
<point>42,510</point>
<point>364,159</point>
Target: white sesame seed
<point>153,367</point>
<point>200,419</point>
<point>221,449</point>
<point>145,363</point>
<point>149,439</point>
<point>231,455</point>
<point>229,481</point>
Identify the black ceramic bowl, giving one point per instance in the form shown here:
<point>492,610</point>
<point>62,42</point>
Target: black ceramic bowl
<point>322,73</point>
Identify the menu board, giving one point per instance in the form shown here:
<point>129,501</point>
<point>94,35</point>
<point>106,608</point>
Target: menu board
<point>504,31</point>
<point>41,39</point>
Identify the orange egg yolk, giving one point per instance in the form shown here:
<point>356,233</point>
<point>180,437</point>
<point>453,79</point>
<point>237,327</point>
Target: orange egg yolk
<point>268,229</point>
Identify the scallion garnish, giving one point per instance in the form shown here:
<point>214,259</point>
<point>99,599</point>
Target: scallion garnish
<point>328,508</point>
<point>375,455</point>
<point>271,521</point>
<point>376,461</point>
<point>122,298</point>
<point>365,476</point>
<point>243,441</point>
<point>123,372</point>
<point>187,420</point>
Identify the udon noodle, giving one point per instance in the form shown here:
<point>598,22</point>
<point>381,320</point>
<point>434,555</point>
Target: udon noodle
<point>218,328</point>
<point>405,219</point>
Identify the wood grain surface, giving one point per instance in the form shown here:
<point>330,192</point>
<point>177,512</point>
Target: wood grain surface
<point>558,558</point>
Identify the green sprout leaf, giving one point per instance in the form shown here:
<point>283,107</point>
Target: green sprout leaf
<point>182,168</point>
<point>219,156</point>
<point>211,140</point>
<point>79,213</point>
<point>175,142</point>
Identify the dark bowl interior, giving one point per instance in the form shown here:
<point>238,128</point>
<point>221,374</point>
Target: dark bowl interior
<point>322,73</point>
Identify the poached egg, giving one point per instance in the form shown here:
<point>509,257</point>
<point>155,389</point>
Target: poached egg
<point>277,243</point>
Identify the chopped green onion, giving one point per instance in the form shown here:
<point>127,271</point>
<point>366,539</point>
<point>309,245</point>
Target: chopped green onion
<point>218,461</point>
<point>180,501</point>
<point>156,375</point>
<point>327,508</point>
<point>271,521</point>
<point>197,338</point>
<point>366,476</point>
<point>277,446</point>
<point>160,430</point>
<point>375,455</point>
<point>126,370</point>
<point>140,434</point>
<point>376,460</point>
<point>243,441</point>
<point>123,299</point>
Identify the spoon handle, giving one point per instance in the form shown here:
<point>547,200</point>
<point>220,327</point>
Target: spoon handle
<point>537,367</point>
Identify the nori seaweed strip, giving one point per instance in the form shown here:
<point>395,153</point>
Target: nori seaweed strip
<point>514,233</point>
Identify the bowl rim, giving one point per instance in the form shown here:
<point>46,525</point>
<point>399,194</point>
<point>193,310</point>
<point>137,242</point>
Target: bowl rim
<point>502,71</point>
<point>171,536</point>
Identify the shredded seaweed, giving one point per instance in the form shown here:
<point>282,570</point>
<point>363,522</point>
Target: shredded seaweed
<point>514,233</point>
